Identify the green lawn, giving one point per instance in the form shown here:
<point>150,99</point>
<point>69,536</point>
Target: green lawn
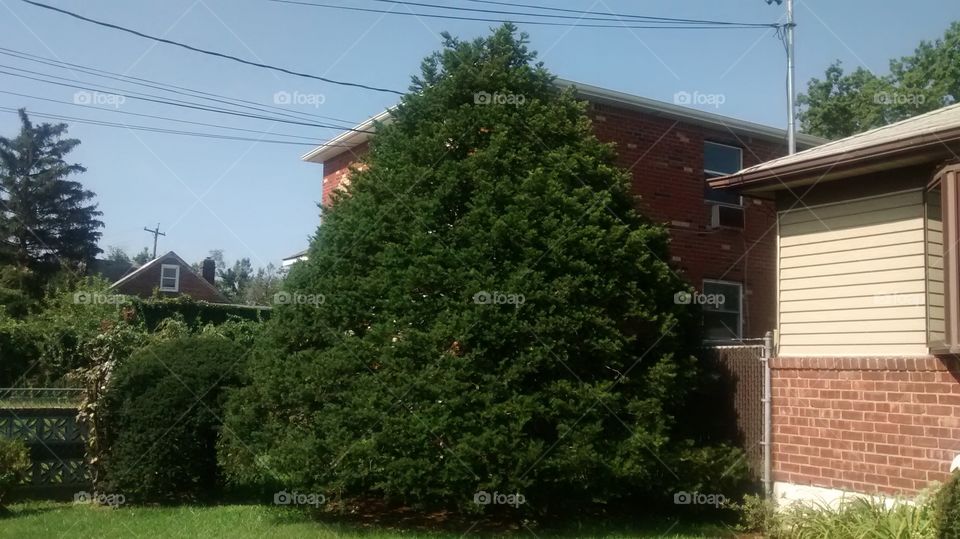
<point>36,520</point>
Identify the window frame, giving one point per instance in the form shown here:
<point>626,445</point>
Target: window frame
<point>739,312</point>
<point>176,277</point>
<point>707,173</point>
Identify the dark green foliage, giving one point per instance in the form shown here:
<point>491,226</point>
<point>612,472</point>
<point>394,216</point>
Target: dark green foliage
<point>844,104</point>
<point>47,220</point>
<point>14,464</point>
<point>160,419</point>
<point>946,508</point>
<point>402,383</point>
<point>194,313</point>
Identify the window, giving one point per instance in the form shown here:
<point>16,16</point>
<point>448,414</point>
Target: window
<point>722,304</point>
<point>169,278</point>
<point>719,160</point>
<point>942,229</point>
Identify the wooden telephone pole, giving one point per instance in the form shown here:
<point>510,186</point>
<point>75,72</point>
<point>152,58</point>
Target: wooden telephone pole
<point>156,232</point>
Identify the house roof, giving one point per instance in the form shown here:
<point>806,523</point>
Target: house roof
<point>351,139</point>
<point>928,137</point>
<point>132,275</point>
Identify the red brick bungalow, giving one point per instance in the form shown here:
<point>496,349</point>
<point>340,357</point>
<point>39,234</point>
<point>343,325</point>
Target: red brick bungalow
<point>170,276</point>
<point>721,242</point>
<point>866,381</point>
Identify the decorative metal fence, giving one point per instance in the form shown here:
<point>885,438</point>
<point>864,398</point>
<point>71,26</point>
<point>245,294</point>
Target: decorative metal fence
<point>46,420</point>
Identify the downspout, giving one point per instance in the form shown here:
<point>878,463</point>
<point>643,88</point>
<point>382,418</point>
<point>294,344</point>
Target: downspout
<point>767,415</point>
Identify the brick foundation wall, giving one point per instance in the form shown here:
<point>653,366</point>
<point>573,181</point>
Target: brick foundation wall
<point>873,425</point>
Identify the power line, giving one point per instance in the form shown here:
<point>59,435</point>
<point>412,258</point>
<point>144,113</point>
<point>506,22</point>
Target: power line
<point>209,52</point>
<point>160,99</point>
<point>622,15</point>
<point>581,15</point>
<point>650,25</point>
<point>152,129</point>
<point>61,102</point>
<point>181,90</point>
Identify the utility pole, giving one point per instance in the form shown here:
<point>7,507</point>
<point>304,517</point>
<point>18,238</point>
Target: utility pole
<point>792,113</point>
<point>156,232</point>
<point>787,36</point>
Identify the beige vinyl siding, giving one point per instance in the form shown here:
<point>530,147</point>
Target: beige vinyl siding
<point>852,279</point>
<point>934,231</point>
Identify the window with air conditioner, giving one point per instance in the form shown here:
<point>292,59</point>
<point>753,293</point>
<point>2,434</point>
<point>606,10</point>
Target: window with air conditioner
<point>726,208</point>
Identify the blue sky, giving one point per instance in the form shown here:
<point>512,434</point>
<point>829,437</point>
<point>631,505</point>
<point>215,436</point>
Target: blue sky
<point>259,200</point>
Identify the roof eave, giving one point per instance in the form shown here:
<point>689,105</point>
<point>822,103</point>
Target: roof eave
<point>927,147</point>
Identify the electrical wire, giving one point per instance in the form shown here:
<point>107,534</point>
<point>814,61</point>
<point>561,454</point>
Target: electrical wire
<point>167,87</point>
<point>160,99</point>
<point>651,25</point>
<point>208,52</point>
<point>622,15</point>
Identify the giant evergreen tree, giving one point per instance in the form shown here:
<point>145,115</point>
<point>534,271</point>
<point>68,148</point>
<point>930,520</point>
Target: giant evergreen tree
<point>47,219</point>
<point>483,310</point>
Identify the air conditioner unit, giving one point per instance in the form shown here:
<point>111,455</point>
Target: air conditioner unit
<point>726,216</point>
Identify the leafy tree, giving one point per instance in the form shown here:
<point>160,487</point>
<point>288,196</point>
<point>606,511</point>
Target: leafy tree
<point>47,219</point>
<point>263,286</point>
<point>117,254</point>
<point>487,312</point>
<point>844,104</point>
<point>143,257</point>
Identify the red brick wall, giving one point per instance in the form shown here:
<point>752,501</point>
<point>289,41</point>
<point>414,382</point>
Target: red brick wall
<point>666,160</point>
<point>874,425</point>
<point>336,170</point>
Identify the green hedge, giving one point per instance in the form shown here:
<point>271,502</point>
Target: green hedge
<point>160,419</point>
<point>194,313</point>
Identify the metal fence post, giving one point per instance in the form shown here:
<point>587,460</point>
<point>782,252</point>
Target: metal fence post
<point>767,414</point>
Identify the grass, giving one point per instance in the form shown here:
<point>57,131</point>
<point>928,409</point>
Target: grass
<point>35,520</point>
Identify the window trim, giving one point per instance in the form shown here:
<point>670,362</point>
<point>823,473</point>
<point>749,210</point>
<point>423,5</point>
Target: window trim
<point>176,277</point>
<point>947,179</point>
<point>714,172</point>
<point>739,311</point>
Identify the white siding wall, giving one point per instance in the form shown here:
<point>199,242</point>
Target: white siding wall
<point>852,279</point>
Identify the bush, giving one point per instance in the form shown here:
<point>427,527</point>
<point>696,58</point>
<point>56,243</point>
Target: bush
<point>160,419</point>
<point>14,464</point>
<point>513,330</point>
<point>858,517</point>
<point>946,508</point>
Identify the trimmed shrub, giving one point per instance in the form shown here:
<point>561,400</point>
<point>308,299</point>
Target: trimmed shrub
<point>14,464</point>
<point>160,419</point>
<point>946,508</point>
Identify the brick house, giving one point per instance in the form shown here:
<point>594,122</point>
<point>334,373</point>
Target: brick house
<point>866,381</point>
<point>721,243</point>
<point>170,276</point>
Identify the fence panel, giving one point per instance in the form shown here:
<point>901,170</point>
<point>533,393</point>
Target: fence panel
<point>55,439</point>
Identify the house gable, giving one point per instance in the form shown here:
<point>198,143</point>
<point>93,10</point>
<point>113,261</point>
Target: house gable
<point>147,279</point>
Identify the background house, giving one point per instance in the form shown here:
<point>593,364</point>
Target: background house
<point>170,276</point>
<point>866,386</point>
<point>721,243</point>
